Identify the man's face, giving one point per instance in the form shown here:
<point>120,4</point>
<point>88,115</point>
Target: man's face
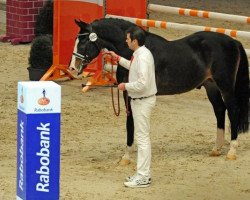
<point>131,43</point>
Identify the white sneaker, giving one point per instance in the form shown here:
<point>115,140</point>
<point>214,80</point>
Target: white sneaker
<point>130,178</point>
<point>137,181</point>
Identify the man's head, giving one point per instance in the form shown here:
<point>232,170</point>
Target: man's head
<point>135,37</point>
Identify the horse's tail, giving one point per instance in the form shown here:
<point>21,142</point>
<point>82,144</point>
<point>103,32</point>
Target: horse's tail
<point>242,90</point>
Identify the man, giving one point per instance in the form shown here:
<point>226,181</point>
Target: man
<point>141,88</point>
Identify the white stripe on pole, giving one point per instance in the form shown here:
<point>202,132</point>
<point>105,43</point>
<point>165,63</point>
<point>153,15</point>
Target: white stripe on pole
<point>199,13</point>
<point>178,26</point>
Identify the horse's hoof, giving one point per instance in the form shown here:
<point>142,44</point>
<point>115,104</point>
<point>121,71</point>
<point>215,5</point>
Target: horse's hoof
<point>85,89</point>
<point>124,162</point>
<point>231,157</point>
<point>215,153</point>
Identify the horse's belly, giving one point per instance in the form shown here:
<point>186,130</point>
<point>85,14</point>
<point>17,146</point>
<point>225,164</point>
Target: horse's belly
<point>168,90</point>
<point>178,84</point>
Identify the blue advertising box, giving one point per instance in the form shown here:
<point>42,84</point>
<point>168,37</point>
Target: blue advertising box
<point>38,140</point>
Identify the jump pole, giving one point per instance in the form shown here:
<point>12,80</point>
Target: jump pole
<point>38,140</point>
<point>199,13</point>
<point>172,25</point>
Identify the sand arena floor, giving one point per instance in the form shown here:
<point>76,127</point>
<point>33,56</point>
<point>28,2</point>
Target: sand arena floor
<point>93,139</point>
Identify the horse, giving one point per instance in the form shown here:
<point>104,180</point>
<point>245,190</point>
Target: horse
<point>209,59</point>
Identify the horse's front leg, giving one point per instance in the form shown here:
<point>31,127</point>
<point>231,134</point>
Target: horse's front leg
<point>126,158</point>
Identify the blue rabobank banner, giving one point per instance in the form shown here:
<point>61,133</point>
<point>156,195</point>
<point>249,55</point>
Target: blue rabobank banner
<point>21,155</point>
<point>38,141</point>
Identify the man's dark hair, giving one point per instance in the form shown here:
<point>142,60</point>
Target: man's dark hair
<point>137,33</point>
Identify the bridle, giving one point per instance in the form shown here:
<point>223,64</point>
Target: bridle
<point>85,59</point>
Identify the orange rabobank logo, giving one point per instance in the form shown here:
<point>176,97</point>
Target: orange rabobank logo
<point>43,100</point>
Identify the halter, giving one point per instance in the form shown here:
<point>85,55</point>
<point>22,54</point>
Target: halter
<point>85,58</point>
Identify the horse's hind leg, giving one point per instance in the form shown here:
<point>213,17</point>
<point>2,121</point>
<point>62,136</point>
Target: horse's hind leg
<point>226,85</point>
<point>219,107</point>
<point>233,115</point>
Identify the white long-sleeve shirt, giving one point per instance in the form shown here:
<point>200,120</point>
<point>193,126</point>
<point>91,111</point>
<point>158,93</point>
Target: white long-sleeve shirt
<point>141,73</point>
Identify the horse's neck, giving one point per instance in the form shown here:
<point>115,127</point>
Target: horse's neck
<point>112,32</point>
<point>118,46</point>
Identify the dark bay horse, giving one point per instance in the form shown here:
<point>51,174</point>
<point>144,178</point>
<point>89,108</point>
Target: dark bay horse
<point>213,60</point>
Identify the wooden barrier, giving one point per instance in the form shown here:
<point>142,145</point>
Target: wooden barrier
<point>132,8</point>
<point>199,13</point>
<point>65,31</point>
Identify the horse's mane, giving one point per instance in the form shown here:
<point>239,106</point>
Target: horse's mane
<point>113,29</point>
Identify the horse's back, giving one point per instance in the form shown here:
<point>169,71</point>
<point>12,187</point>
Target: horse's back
<point>184,64</point>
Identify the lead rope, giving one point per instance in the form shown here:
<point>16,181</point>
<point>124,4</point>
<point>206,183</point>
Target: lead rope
<point>117,112</point>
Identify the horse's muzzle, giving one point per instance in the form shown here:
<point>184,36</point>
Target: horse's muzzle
<point>81,62</point>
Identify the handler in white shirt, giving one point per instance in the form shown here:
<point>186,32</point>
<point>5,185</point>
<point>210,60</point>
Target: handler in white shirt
<point>142,89</point>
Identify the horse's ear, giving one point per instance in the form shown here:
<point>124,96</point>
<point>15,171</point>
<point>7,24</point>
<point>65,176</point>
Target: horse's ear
<point>81,24</point>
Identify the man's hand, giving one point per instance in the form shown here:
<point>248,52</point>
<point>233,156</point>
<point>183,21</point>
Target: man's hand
<point>121,87</point>
<point>114,55</point>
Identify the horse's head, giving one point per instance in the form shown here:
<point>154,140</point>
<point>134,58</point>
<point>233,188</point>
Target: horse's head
<point>87,46</point>
<point>93,37</point>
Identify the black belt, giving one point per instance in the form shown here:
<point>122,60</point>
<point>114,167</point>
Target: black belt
<point>142,97</point>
